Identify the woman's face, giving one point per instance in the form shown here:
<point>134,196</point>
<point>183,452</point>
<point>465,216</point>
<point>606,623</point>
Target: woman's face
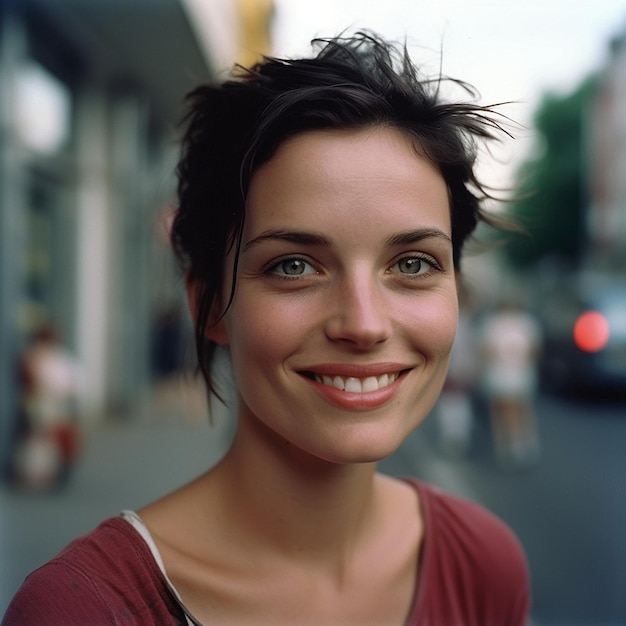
<point>345,309</point>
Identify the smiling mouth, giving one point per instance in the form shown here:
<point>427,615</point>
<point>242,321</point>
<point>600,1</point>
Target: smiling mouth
<point>352,384</point>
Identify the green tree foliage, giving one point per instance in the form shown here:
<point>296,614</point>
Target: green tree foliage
<point>552,197</point>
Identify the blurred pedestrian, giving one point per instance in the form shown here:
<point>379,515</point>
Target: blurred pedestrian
<point>455,408</point>
<point>324,203</point>
<point>48,446</point>
<point>511,346</point>
<point>167,359</point>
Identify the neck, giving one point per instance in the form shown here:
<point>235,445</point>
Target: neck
<point>292,502</point>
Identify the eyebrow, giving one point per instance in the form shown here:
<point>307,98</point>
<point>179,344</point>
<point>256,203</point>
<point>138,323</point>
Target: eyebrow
<point>300,237</point>
<point>416,235</point>
<point>314,239</point>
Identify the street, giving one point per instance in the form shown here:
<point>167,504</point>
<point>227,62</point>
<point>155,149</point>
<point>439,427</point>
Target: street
<point>569,510</point>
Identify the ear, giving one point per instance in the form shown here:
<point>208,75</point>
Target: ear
<point>216,330</point>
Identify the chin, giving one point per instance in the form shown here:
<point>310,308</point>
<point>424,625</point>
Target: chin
<point>357,448</point>
<point>360,457</point>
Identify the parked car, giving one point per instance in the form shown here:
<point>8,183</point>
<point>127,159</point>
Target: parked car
<point>585,335</point>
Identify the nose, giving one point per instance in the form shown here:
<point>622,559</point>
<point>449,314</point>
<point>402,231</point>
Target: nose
<point>359,312</point>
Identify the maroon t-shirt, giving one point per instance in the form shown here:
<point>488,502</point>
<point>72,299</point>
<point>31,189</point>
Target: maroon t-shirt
<point>472,572</point>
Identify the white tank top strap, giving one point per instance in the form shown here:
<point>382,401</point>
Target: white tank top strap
<point>137,523</point>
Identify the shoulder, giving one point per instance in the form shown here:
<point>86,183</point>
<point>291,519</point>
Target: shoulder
<point>472,560</point>
<point>457,521</point>
<point>106,576</point>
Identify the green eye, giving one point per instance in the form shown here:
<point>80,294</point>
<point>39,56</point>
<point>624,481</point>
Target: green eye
<point>292,267</point>
<point>411,265</point>
<point>415,266</point>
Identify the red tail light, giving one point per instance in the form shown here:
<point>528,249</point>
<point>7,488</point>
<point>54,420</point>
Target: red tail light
<point>591,331</point>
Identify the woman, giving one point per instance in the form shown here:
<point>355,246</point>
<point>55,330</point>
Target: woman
<point>323,207</point>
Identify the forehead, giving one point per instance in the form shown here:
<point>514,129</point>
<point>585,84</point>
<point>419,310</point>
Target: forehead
<point>332,147</point>
<point>375,174</point>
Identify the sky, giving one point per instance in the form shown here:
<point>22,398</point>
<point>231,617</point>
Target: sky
<point>511,51</point>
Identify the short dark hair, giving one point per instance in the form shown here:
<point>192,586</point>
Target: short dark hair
<point>232,128</point>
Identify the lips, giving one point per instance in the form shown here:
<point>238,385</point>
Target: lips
<point>354,387</point>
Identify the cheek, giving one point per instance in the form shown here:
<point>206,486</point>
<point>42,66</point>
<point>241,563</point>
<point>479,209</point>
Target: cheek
<point>247,338</point>
<point>434,325</point>
<point>449,323</point>
<point>257,333</point>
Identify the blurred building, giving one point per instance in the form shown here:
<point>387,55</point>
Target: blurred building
<point>607,168</point>
<point>90,96</point>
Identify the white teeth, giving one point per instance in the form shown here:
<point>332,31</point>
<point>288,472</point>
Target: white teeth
<point>358,385</point>
<point>353,385</point>
<point>370,384</point>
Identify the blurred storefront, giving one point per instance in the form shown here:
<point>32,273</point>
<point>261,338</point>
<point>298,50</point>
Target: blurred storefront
<point>607,166</point>
<point>90,95</point>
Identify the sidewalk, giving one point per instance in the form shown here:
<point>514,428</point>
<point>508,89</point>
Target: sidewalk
<point>125,464</point>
